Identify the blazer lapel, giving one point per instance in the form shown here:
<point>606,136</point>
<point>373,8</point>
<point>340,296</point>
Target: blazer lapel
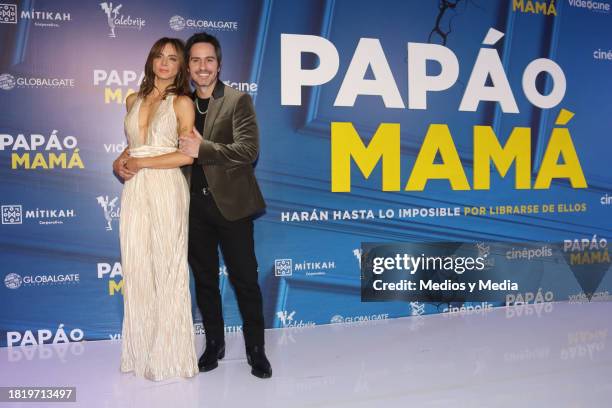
<point>214,107</point>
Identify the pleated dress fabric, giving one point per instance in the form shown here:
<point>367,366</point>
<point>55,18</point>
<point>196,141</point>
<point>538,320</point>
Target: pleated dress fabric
<point>158,339</point>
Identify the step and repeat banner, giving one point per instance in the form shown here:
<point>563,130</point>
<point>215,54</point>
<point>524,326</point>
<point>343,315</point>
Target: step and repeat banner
<point>392,133</point>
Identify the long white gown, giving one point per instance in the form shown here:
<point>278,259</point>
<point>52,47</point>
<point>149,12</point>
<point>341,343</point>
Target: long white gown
<point>158,338</point>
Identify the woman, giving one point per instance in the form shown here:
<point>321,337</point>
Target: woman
<point>158,339</point>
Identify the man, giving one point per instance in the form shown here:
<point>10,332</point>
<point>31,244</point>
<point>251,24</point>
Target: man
<point>224,198</point>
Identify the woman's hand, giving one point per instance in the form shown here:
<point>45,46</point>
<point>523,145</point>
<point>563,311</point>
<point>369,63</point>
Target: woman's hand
<point>120,169</point>
<point>133,164</point>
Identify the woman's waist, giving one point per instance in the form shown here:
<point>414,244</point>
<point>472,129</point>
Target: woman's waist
<point>150,151</point>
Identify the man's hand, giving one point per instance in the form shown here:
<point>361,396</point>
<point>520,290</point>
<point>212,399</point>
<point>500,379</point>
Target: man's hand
<point>120,169</point>
<point>189,144</point>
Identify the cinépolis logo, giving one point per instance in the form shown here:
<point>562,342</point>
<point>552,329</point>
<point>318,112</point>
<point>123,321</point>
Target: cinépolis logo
<point>437,157</point>
<point>117,84</point>
<point>41,152</point>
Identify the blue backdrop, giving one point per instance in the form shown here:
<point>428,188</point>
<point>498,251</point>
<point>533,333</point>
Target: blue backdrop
<point>67,66</point>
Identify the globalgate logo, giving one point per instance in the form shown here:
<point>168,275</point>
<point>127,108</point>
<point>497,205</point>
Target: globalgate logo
<point>13,281</point>
<point>338,319</point>
<point>179,23</point>
<point>9,82</point>
<point>16,281</point>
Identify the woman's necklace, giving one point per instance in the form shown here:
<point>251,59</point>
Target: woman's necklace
<point>198,107</point>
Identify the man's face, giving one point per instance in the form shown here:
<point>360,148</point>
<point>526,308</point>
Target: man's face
<point>203,64</point>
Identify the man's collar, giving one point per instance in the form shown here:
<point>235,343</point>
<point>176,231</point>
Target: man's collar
<point>218,92</point>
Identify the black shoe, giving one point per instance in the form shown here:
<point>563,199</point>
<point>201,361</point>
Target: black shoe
<point>214,351</point>
<point>260,366</point>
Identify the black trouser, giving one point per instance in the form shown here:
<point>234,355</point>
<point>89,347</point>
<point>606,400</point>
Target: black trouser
<point>207,230</point>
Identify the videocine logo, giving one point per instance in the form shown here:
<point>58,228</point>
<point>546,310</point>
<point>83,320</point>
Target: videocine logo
<point>596,6</point>
<point>8,13</point>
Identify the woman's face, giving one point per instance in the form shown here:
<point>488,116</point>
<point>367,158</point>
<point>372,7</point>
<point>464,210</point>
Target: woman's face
<point>166,64</point>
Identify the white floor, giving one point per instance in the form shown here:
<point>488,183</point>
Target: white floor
<point>552,355</point>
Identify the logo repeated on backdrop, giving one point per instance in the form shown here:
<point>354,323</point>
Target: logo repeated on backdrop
<point>286,267</point>
<point>545,7</point>
<point>602,55</point>
<point>116,20</point>
<point>43,336</point>
<point>179,23</point>
<point>606,199</point>
<point>114,273</point>
<point>595,6</point>
<point>14,214</point>
<point>9,82</point>
<point>248,87</point>
<point>41,18</point>
<point>15,281</point>
<point>118,84</point>
<point>287,319</point>
<point>363,319</point>
<point>43,153</point>
<point>8,13</point>
<point>111,209</point>
<point>283,267</point>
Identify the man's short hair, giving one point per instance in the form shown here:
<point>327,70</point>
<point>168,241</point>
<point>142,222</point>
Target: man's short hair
<point>203,37</point>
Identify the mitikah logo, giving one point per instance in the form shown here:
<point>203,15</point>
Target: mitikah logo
<point>8,13</point>
<point>12,214</point>
<point>283,267</point>
<point>13,281</point>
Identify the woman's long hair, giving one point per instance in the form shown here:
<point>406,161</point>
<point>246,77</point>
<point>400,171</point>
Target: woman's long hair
<point>180,86</point>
